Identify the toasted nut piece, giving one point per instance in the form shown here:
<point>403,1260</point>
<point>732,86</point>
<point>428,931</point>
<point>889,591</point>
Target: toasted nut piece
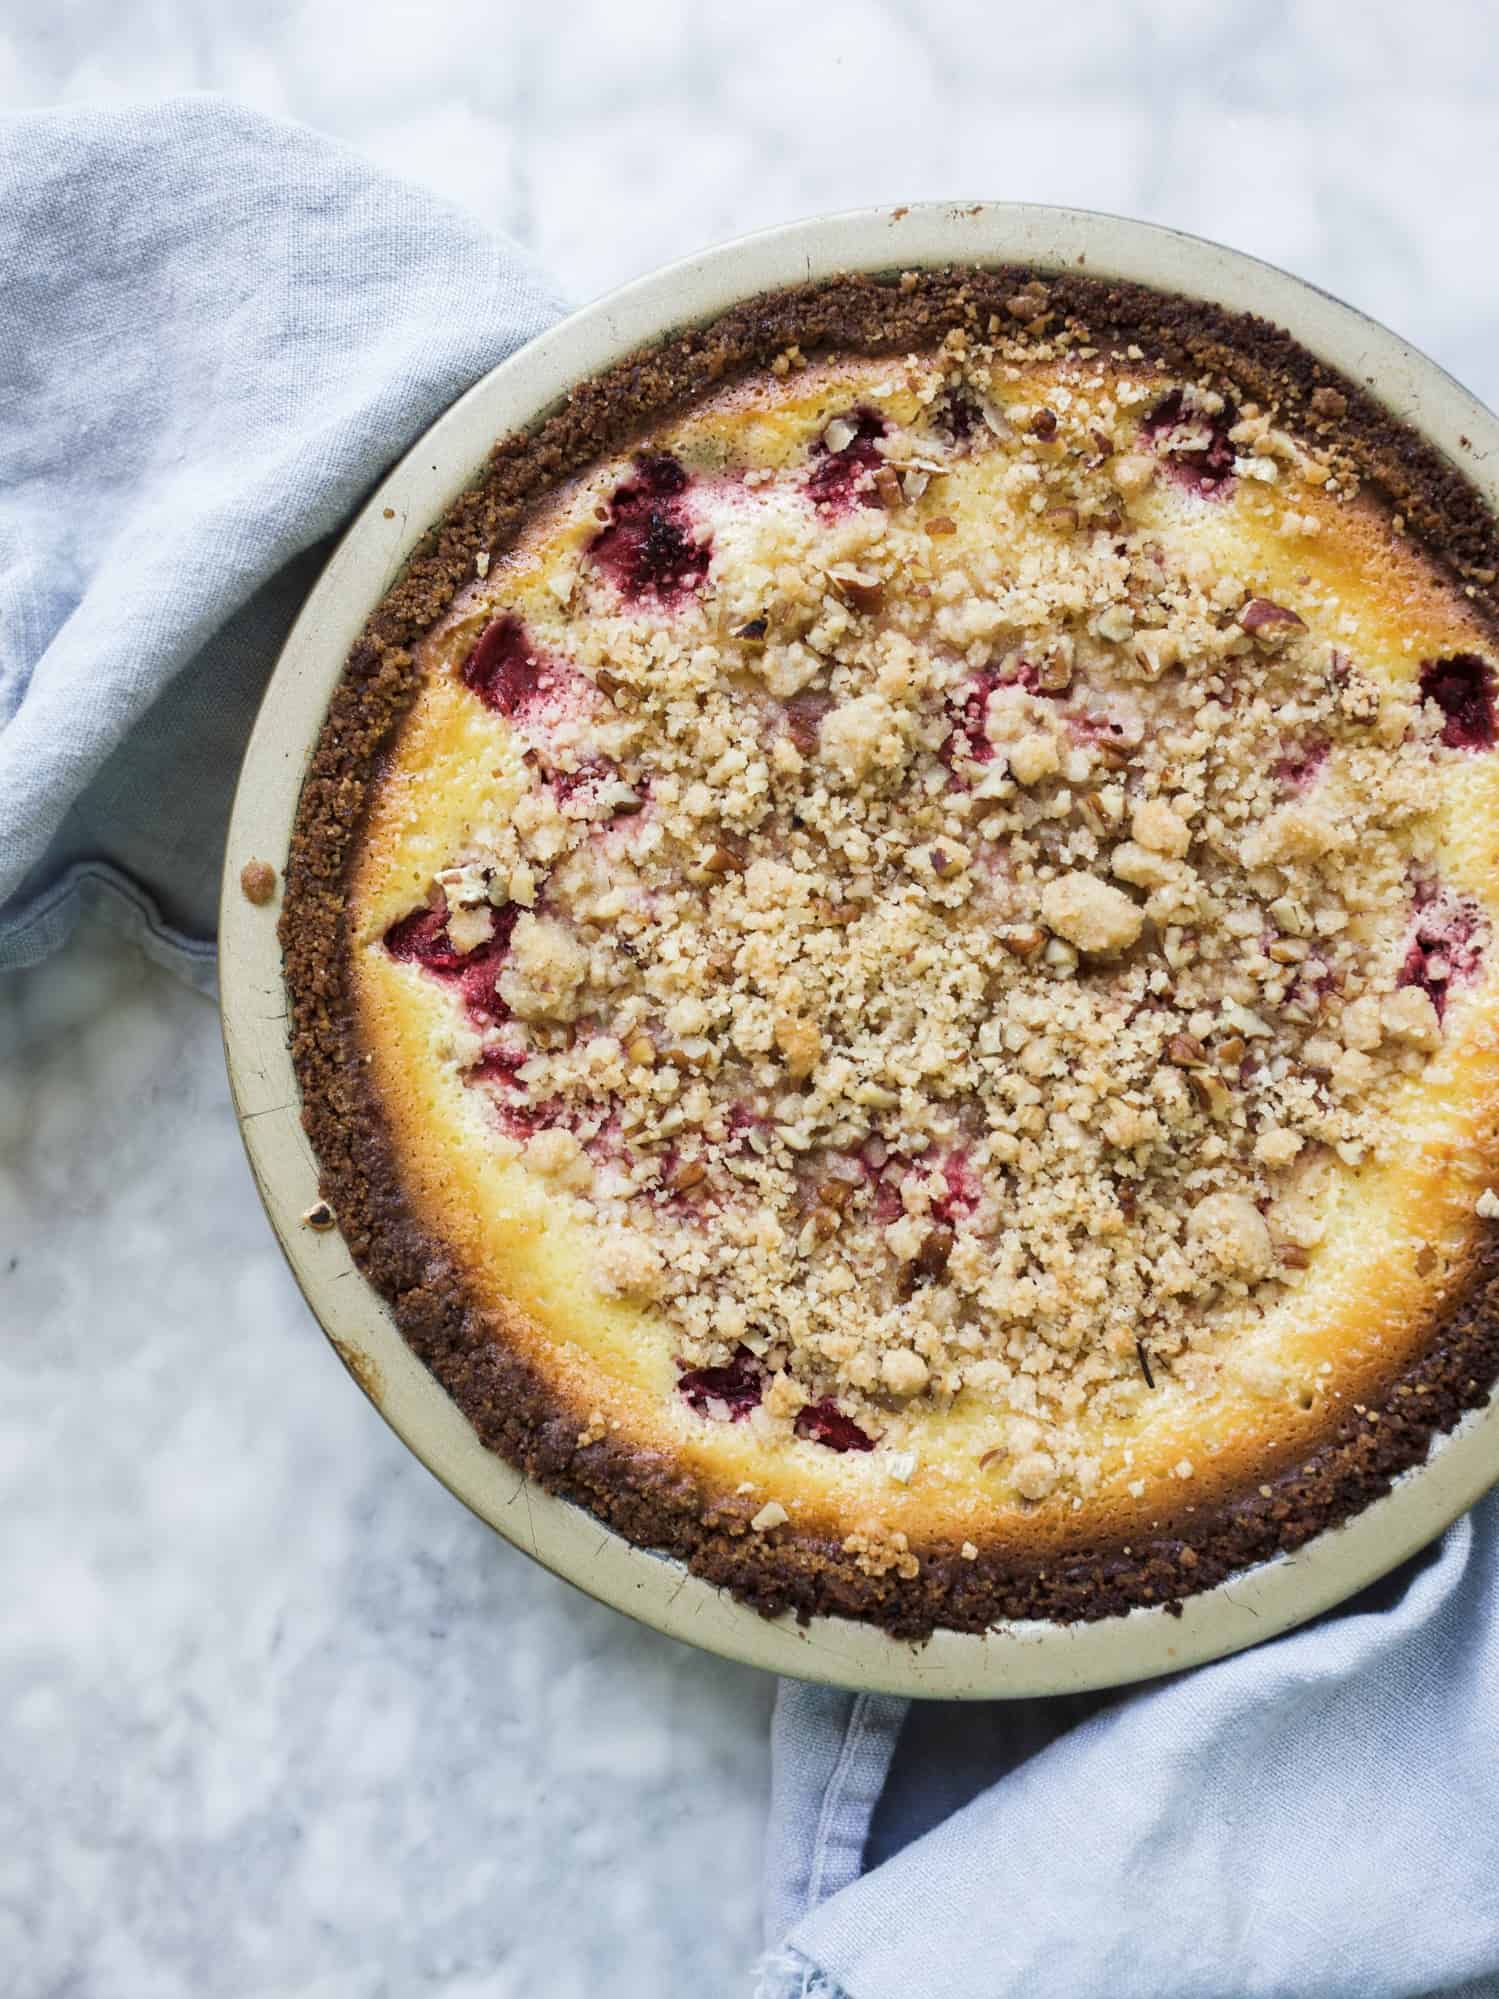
<point>1211,1093</point>
<point>1292,1255</point>
<point>724,861</point>
<point>941,524</point>
<point>835,1194</point>
<point>1090,805</point>
<point>1062,520</point>
<point>887,485</point>
<point>608,683</point>
<point>1230,1053</point>
<point>690,1174</point>
<point>1023,943</point>
<point>1044,424</point>
<point>866,597</point>
<point>257,880</point>
<point>1262,614</point>
<point>642,1051</point>
<point>1186,1051</point>
<point>1179,946</point>
<point>1288,950</point>
<point>931,1258</point>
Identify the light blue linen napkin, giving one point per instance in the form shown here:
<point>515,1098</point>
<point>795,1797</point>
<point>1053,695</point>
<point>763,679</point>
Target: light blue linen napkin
<point>1315,1819</point>
<point>216,331</point>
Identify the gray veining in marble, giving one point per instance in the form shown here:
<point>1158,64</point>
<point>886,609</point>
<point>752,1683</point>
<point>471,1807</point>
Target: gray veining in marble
<point>279,1716</point>
<point>278,1720</point>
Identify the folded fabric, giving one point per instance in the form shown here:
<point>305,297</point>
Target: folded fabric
<point>219,331</point>
<point>1315,1819</point>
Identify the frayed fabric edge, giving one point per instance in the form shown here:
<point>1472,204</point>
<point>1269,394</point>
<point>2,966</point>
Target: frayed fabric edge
<point>786,1974</point>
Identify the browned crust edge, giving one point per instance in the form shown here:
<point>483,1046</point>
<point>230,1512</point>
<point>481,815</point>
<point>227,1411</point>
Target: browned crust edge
<point>647,1496</point>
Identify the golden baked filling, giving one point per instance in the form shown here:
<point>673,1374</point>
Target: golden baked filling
<point>920,942</point>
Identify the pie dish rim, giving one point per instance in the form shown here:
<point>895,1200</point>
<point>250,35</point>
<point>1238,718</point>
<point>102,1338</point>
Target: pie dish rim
<point>1009,1660</point>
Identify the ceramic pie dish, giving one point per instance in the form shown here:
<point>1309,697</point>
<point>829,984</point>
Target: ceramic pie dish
<point>887,946</point>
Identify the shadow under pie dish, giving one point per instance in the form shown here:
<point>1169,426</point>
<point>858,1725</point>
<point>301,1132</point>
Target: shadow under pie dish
<point>889,943</point>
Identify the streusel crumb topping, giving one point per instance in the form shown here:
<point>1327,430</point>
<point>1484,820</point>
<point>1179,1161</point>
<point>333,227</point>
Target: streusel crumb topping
<point>951,920</point>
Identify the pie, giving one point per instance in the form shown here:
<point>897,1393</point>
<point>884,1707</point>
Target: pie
<point>890,948</point>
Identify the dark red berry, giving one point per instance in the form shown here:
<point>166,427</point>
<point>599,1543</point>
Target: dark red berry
<point>422,939</point>
<point>955,415</point>
<point>648,548</point>
<point>1446,945</point>
<point>507,671</point>
<point>727,1393</point>
<point>839,479</point>
<point>499,1066</point>
<point>1462,686</point>
<point>1297,769</point>
<point>969,706</point>
<point>962,1189</point>
<point>825,1423</point>
<point>1205,470</point>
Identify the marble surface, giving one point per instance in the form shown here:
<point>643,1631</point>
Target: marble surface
<point>279,1718</point>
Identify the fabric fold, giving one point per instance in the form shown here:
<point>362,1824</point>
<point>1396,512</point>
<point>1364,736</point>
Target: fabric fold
<point>1315,1816</point>
<point>220,331</point>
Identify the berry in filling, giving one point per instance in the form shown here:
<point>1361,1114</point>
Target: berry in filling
<point>1462,686</point>
<point>727,1393</point>
<point>510,673</point>
<point>845,460</point>
<point>649,548</point>
<point>824,1423</point>
<point>422,939</point>
<point>1194,440</point>
<point>1446,945</point>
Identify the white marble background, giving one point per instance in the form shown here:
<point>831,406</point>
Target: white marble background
<point>278,1720</point>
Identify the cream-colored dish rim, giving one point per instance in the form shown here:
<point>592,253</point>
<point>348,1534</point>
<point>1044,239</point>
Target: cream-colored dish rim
<point>1012,1660</point>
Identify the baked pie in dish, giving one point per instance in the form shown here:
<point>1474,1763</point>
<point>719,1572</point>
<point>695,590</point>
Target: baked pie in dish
<point>890,939</point>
